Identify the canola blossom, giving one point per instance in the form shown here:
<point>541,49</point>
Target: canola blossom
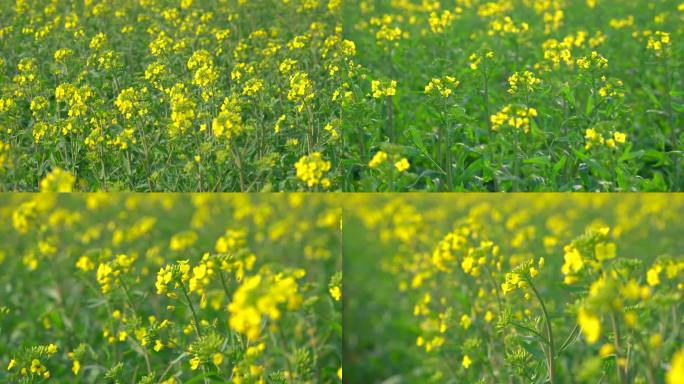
<point>231,95</point>
<point>118,288</point>
<point>170,95</point>
<point>291,105</point>
<point>516,95</point>
<point>541,288</point>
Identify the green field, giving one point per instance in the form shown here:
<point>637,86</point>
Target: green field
<point>170,95</point>
<point>514,289</point>
<point>516,95</point>
<point>332,95</point>
<point>112,288</point>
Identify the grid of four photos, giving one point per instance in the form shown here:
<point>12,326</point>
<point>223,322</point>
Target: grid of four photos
<point>341,191</point>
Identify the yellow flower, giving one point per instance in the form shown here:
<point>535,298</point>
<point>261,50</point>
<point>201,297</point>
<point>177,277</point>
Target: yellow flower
<point>467,264</point>
<point>380,89</point>
<point>377,160</point>
<point>311,170</point>
<point>194,363</point>
<point>525,80</point>
<point>217,359</point>
<point>444,86</point>
<point>438,23</point>
<point>573,261</point>
<point>76,367</point>
<point>620,137</point>
<point>402,165</point>
<point>181,241</point>
<point>228,123</point>
<point>85,264</point>
<point>11,364</point>
<point>58,180</point>
<point>653,275</point>
<point>466,361</point>
<point>676,373</point>
<point>336,293</point>
<point>260,296</point>
<point>37,367</point>
<point>606,350</point>
<point>301,90</point>
<point>590,134</point>
<point>591,325</point>
<point>534,272</point>
<point>512,281</point>
<point>465,321</point>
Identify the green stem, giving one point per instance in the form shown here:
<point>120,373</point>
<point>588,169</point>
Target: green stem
<point>192,309</point>
<point>622,373</point>
<point>532,331</point>
<point>130,339</point>
<point>551,357</point>
<point>238,164</point>
<point>280,340</point>
<point>390,119</point>
<point>485,93</point>
<point>447,148</point>
<point>673,129</point>
<point>147,156</point>
<point>224,285</point>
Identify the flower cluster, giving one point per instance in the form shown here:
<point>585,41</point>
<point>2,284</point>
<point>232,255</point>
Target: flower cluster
<point>400,164</point>
<point>593,137</point>
<point>444,87</point>
<point>381,89</point>
<point>254,293</point>
<point>58,180</point>
<point>312,170</point>
<point>260,297</point>
<point>156,96</point>
<point>440,22</point>
<point>513,116</point>
<point>534,286</point>
<point>522,81</point>
<point>659,42</point>
<point>593,62</point>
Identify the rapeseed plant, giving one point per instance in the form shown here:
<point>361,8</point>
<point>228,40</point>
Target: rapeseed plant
<point>542,288</point>
<point>170,289</point>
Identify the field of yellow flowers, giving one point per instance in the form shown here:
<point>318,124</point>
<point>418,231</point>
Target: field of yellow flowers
<point>513,289</point>
<point>172,95</point>
<point>369,95</point>
<point>116,288</point>
<point>515,95</point>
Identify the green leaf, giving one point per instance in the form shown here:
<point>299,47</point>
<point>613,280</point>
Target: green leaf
<point>533,349</point>
<point>655,156</point>
<point>590,106</point>
<point>539,160</point>
<point>676,93</point>
<point>417,140</point>
<point>580,155</point>
<point>570,340</point>
<point>631,155</point>
<point>559,165</point>
<point>569,96</point>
